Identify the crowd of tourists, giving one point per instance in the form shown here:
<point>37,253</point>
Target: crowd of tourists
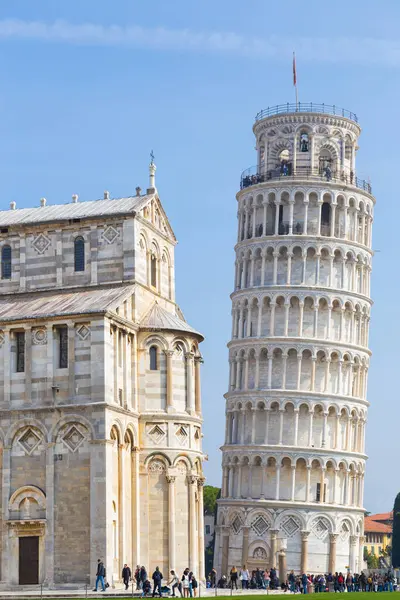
<point>186,585</point>
<point>329,582</point>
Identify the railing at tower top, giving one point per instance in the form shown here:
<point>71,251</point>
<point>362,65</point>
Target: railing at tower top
<point>306,107</point>
<point>253,176</point>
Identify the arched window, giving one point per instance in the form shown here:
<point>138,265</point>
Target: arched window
<point>79,254</point>
<point>326,213</point>
<point>304,142</point>
<point>153,270</point>
<point>6,262</point>
<point>153,358</point>
<point>348,147</point>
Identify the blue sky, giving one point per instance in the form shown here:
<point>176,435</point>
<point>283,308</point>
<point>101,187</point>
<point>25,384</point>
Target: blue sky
<point>88,88</point>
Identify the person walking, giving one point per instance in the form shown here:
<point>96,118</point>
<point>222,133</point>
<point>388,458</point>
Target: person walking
<point>157,579</point>
<point>100,574</point>
<point>126,576</point>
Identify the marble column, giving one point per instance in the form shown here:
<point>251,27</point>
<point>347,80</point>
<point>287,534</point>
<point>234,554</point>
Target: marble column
<point>171,522</point>
<point>193,537</point>
<point>332,552</point>
<point>135,458</point>
<point>169,354</point>
<point>6,557</point>
<point>361,541</point>
<point>224,491</point>
<point>71,359</point>
<point>308,485</point>
<point>245,545</point>
<point>225,551</point>
<point>274,546</point>
<point>278,477</point>
<point>49,539</point>
<point>200,483</point>
<point>282,566</point>
<point>304,551</point>
<point>353,545</point>
<point>197,390</point>
<point>190,405</point>
<point>293,482</point>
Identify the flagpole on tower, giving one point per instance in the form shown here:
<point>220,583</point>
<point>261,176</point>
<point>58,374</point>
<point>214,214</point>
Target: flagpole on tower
<point>295,80</point>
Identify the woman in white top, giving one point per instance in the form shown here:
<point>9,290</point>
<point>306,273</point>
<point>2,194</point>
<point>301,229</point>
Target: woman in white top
<point>185,583</point>
<point>244,577</point>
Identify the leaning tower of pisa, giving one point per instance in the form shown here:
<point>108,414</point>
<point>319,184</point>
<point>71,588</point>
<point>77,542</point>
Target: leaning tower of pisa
<point>294,456</point>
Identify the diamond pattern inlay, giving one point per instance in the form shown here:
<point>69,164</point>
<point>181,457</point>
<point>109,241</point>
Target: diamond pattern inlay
<point>290,526</point>
<point>110,234</point>
<point>182,435</point>
<point>320,528</point>
<point>236,524</point>
<point>73,439</point>
<point>29,441</point>
<point>83,332</point>
<point>157,434</point>
<point>41,243</point>
<point>260,525</point>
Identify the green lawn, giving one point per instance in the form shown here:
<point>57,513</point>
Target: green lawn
<point>322,596</point>
<point>238,594</point>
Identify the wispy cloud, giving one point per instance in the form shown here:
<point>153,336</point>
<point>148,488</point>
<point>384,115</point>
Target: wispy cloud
<point>343,50</point>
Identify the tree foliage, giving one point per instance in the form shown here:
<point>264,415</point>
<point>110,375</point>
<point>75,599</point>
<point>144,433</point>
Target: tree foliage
<point>396,533</point>
<point>211,495</point>
<point>371,559</point>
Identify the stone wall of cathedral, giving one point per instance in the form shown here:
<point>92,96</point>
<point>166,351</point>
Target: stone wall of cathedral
<point>100,448</point>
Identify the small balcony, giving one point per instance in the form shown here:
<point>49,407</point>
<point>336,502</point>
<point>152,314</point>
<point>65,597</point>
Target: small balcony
<point>306,107</point>
<point>285,172</point>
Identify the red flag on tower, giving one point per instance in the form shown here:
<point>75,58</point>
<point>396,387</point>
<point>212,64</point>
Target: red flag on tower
<point>294,70</point>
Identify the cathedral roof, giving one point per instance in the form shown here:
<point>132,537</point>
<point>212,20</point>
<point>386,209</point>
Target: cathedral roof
<point>73,210</point>
<point>19,307</point>
<point>158,318</point>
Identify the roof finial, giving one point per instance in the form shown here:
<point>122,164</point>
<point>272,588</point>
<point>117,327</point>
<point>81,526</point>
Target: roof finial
<point>152,173</point>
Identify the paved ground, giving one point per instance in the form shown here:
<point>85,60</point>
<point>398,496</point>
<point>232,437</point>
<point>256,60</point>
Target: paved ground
<point>119,592</point>
<point>32,592</point>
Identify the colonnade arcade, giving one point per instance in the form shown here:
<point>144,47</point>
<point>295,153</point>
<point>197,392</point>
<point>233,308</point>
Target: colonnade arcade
<point>257,532</point>
<point>293,478</point>
<point>302,316</point>
<point>310,369</point>
<point>308,265</point>
<point>305,212</point>
<point>284,424</point>
<point>177,488</point>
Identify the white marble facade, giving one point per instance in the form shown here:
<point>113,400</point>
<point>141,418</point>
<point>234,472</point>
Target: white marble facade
<point>100,405</point>
<point>294,453</point>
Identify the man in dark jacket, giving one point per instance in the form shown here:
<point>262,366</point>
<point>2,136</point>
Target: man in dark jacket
<point>142,575</point>
<point>100,574</point>
<point>157,579</point>
<point>126,576</point>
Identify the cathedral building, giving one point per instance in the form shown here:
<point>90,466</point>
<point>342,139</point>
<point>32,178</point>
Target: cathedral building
<point>294,453</point>
<point>100,408</point>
